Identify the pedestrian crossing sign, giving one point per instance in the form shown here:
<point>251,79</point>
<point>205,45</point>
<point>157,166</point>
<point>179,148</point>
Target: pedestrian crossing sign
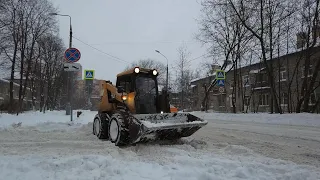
<point>220,82</point>
<point>88,74</point>
<point>220,74</point>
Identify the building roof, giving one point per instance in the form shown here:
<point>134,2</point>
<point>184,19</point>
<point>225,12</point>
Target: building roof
<point>255,71</point>
<point>15,84</point>
<point>282,55</point>
<point>201,78</point>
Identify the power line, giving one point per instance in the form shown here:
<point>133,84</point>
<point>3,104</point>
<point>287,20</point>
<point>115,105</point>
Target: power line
<point>119,59</point>
<point>198,57</point>
<point>150,42</point>
<point>116,58</point>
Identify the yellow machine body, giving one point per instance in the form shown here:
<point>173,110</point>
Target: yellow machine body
<point>141,112</point>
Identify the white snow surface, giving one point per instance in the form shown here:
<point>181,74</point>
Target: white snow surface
<point>47,146</point>
<point>299,119</point>
<point>50,120</point>
<point>173,163</point>
<point>163,124</point>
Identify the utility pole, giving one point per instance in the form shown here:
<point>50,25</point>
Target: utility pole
<point>167,75</point>
<point>182,83</point>
<point>71,78</point>
<point>69,74</point>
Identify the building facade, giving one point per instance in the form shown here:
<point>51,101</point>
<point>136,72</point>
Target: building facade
<point>5,96</point>
<point>247,89</point>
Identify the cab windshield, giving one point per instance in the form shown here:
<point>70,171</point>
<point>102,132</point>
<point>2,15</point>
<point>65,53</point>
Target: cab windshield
<point>146,85</point>
<point>146,93</point>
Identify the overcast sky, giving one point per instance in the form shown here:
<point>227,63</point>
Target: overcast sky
<point>130,30</point>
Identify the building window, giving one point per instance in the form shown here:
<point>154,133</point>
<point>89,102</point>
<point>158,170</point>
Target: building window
<point>313,99</point>
<point>284,99</point>
<point>222,100</point>
<point>264,99</point>
<point>232,96</point>
<point>246,80</point>
<point>283,74</point>
<point>262,77</point>
<point>246,101</point>
<point>231,84</point>
<point>309,73</point>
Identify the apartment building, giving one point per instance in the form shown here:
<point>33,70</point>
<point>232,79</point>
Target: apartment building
<point>5,95</point>
<point>247,89</point>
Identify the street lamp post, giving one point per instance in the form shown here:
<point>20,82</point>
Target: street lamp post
<point>167,69</point>
<point>69,76</point>
<point>70,33</point>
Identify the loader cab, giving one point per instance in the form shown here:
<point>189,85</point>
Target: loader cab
<point>141,85</point>
<point>138,79</point>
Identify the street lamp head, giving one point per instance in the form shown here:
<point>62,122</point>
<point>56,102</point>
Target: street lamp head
<point>53,14</point>
<point>157,51</point>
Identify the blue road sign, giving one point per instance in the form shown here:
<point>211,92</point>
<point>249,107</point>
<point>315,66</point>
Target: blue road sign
<point>220,74</point>
<point>72,55</point>
<point>220,82</point>
<point>88,74</point>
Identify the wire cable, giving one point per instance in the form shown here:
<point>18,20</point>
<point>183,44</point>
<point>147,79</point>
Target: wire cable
<point>116,58</point>
<point>119,59</point>
<point>150,42</point>
<point>198,57</point>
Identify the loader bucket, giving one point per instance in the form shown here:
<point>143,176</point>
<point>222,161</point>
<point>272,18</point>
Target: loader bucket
<point>167,126</point>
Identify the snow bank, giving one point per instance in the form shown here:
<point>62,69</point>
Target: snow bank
<point>37,155</point>
<point>179,165</point>
<point>302,119</point>
<point>50,119</point>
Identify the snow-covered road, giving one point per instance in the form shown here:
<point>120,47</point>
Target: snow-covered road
<point>46,147</point>
<point>294,137</point>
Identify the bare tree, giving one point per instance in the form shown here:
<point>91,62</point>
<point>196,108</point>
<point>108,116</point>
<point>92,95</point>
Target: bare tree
<point>184,74</point>
<point>37,23</point>
<point>231,27</point>
<point>226,37</point>
<point>51,49</point>
<point>310,26</point>
<point>11,22</point>
<point>23,24</point>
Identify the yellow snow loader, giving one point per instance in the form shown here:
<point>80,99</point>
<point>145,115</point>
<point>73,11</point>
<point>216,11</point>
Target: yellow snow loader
<point>135,111</point>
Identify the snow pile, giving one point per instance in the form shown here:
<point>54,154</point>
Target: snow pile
<point>301,119</point>
<point>45,146</point>
<point>50,120</point>
<point>156,163</point>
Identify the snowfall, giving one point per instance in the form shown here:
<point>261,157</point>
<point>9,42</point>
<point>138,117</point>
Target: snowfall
<point>39,146</point>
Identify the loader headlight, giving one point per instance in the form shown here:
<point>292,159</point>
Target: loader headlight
<point>124,97</point>
<point>154,72</point>
<point>137,70</point>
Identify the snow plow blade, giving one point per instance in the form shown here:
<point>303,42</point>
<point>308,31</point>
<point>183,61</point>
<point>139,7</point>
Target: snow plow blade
<point>167,126</point>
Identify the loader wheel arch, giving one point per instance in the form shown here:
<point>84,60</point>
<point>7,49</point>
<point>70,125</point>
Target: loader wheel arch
<point>118,132</point>
<point>100,126</point>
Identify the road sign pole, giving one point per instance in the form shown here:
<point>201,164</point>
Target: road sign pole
<point>71,110</point>
<point>71,84</point>
<point>89,77</point>
<point>71,55</point>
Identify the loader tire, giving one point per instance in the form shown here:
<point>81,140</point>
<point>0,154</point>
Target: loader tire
<point>118,132</point>
<point>100,127</point>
